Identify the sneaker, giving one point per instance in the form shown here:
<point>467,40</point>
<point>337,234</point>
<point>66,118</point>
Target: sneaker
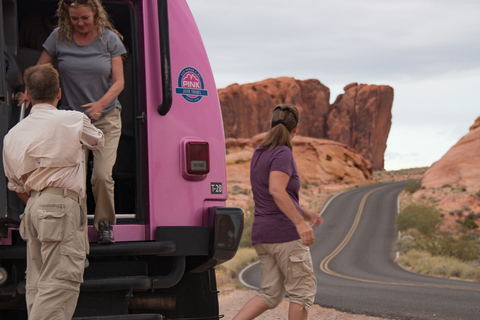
<point>105,233</point>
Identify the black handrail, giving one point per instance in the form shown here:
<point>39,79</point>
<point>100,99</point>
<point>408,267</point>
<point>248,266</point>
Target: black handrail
<point>166,104</point>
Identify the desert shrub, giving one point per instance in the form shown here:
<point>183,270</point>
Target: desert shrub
<point>408,241</point>
<point>236,189</point>
<point>469,224</point>
<point>447,267</point>
<point>405,244</point>
<point>474,236</point>
<point>446,245</point>
<point>421,217</point>
<point>414,260</point>
<point>471,216</point>
<point>472,273</point>
<point>412,187</point>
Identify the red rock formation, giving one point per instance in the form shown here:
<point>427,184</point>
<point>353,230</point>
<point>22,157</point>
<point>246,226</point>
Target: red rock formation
<point>460,165</point>
<point>452,182</point>
<point>318,160</point>
<point>360,118</point>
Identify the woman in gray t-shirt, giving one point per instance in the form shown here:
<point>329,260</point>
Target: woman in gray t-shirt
<point>88,51</point>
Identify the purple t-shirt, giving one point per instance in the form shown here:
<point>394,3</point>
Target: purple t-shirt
<point>271,225</point>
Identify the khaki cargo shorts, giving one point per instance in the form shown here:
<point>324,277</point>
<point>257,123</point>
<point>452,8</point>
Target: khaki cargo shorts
<point>286,267</point>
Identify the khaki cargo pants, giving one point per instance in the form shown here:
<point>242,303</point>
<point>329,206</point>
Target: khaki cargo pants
<point>55,229</point>
<point>286,267</point>
<point>103,161</point>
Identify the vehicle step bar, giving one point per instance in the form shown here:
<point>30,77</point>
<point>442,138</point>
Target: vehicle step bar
<point>141,283</point>
<point>158,248</point>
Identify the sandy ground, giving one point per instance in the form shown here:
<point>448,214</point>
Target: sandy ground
<point>231,301</point>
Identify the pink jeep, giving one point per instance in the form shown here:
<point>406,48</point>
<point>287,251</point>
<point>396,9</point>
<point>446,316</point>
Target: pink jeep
<point>170,176</point>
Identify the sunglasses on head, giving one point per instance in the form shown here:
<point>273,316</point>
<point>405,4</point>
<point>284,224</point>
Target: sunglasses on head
<point>286,109</point>
<point>71,2</point>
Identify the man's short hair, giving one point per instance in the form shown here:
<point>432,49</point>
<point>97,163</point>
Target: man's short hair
<point>42,82</point>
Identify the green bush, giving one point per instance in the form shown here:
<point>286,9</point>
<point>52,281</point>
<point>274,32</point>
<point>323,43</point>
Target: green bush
<point>236,189</point>
<point>421,217</point>
<point>447,245</point>
<point>469,224</point>
<point>412,187</point>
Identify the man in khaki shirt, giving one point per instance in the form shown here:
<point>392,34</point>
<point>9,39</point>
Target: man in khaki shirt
<point>44,163</point>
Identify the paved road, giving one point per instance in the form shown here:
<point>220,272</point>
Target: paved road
<point>354,253</point>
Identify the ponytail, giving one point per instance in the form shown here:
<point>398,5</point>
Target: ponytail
<point>284,120</point>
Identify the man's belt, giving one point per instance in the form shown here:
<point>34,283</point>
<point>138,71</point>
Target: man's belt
<point>59,191</point>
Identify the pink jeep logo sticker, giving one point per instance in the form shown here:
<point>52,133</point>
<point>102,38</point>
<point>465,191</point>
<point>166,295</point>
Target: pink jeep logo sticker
<point>190,85</point>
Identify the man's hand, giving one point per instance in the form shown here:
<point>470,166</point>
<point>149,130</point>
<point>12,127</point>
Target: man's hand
<point>20,98</point>
<point>23,197</point>
<point>94,110</point>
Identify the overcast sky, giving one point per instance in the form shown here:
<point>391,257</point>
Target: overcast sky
<point>427,50</point>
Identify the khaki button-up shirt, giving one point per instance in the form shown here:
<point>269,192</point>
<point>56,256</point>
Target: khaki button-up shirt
<point>46,150</point>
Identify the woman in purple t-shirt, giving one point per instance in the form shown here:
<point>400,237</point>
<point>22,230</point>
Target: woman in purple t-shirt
<point>280,235</point>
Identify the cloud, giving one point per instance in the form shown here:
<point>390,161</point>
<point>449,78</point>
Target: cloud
<point>334,40</point>
<point>427,50</point>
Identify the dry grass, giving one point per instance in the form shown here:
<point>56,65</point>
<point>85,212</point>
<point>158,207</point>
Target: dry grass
<point>227,272</point>
<point>440,266</point>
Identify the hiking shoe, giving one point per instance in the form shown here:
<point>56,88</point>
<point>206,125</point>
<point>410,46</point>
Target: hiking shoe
<point>105,233</point>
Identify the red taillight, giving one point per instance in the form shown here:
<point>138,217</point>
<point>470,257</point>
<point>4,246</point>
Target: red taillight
<point>198,158</point>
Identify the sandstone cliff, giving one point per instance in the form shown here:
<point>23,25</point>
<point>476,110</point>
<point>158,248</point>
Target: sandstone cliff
<point>318,161</point>
<point>460,165</point>
<point>452,183</point>
<point>360,118</point>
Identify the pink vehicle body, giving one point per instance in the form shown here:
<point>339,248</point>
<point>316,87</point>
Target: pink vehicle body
<point>170,177</point>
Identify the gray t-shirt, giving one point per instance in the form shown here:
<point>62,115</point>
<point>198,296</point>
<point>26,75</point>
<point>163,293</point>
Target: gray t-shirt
<point>85,71</point>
